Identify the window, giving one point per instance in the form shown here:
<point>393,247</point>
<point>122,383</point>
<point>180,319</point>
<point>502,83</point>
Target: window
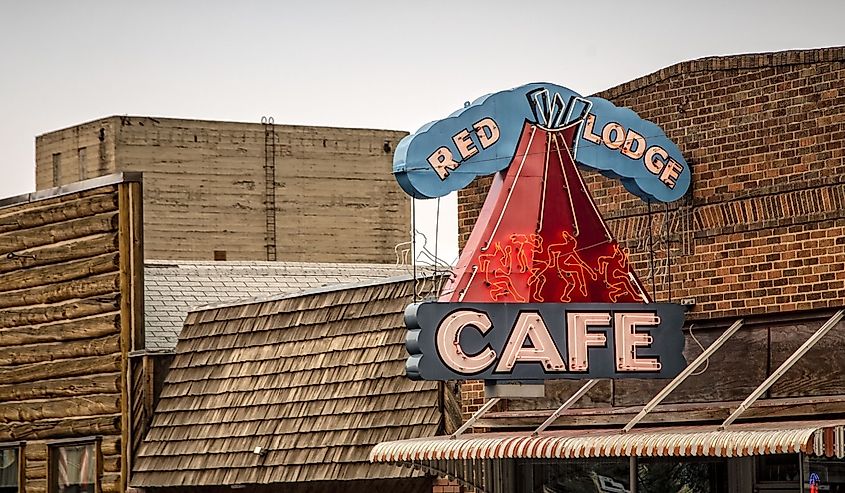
<point>574,476</point>
<point>57,167</point>
<point>73,467</point>
<point>827,474</point>
<point>611,475</point>
<point>688,475</point>
<point>10,468</point>
<point>82,154</point>
<point>778,473</point>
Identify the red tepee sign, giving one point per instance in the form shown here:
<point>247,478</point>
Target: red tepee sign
<point>539,237</point>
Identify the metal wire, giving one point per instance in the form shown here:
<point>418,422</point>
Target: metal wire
<point>668,273</point>
<point>706,362</point>
<point>651,253</point>
<point>414,245</point>
<point>436,235</point>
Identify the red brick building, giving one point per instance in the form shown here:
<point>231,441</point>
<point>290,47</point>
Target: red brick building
<point>759,237</point>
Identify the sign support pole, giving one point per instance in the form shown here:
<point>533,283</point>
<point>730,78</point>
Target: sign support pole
<point>783,368</point>
<point>633,477</point>
<point>566,405</point>
<point>471,421</point>
<point>668,389</point>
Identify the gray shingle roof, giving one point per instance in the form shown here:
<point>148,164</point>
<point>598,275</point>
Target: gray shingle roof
<point>172,288</point>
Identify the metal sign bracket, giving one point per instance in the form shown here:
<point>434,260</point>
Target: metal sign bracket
<point>689,370</point>
<point>783,368</point>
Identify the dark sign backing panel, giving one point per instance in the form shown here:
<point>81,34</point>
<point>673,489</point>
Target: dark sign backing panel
<point>541,341</point>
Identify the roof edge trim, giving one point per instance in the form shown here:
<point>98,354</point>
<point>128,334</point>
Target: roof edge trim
<point>729,62</point>
<point>77,186</point>
<point>316,291</point>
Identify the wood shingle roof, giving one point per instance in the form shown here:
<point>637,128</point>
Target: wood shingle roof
<point>315,379</point>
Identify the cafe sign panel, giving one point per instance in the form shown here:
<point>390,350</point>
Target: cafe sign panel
<point>542,289</point>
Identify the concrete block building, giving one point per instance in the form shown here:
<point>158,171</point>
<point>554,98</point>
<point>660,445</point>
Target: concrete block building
<point>244,191</point>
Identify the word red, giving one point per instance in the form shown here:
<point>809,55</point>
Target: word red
<point>443,160</point>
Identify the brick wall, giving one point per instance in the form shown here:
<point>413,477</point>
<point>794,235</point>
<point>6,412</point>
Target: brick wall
<point>442,485</point>
<point>205,187</point>
<point>762,230</point>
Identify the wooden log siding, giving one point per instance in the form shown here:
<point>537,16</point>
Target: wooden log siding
<point>81,288</point>
<point>81,328</point>
<point>72,270</point>
<point>47,370</point>
<point>106,383</point>
<point>52,233</point>
<point>47,215</point>
<point>55,312</point>
<point>141,414</point>
<point>83,248</point>
<point>63,291</point>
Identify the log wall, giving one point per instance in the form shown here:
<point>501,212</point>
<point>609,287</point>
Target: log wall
<point>69,317</point>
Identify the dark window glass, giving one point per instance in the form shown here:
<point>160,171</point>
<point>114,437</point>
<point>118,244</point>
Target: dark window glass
<point>574,476</point>
<point>613,476</point>
<point>681,476</point>
<point>827,475</point>
<point>73,468</point>
<point>778,468</point>
<point>9,470</point>
<point>57,168</point>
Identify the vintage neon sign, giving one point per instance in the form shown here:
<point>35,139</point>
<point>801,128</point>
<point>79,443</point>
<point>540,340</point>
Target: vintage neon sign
<point>516,341</point>
<point>542,289</point>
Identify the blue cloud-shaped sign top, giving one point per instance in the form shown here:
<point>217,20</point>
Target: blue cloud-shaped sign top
<point>481,138</point>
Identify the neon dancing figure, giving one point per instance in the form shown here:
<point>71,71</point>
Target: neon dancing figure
<point>527,245</point>
<point>564,257</point>
<point>615,270</point>
<point>538,272</point>
<point>498,263</point>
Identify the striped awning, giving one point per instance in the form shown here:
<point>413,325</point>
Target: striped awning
<point>822,438</point>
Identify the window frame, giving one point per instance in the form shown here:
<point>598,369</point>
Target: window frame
<point>21,461</point>
<point>82,157</point>
<point>776,486</point>
<point>57,168</point>
<point>53,445</point>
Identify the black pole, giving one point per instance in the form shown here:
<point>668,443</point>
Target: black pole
<point>414,246</point>
<point>651,257</point>
<point>668,255</point>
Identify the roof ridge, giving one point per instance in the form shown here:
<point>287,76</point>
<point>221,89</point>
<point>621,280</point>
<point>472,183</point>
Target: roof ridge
<point>233,264</point>
<point>421,275</point>
<point>728,62</point>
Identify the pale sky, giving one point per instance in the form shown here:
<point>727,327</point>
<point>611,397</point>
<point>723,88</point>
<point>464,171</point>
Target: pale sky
<point>373,64</point>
